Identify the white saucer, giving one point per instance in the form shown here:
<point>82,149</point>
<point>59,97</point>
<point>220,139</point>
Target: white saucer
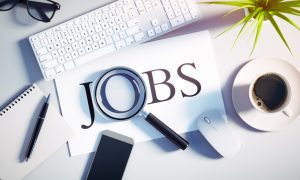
<point>240,93</point>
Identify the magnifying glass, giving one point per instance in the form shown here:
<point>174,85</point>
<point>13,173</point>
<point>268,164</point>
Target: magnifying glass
<point>120,94</point>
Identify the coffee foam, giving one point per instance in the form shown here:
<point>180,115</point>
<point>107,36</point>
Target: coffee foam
<point>259,103</point>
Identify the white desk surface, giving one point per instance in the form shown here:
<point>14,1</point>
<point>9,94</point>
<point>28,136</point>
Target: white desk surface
<point>264,155</point>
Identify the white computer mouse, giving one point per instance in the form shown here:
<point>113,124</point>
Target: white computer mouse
<point>218,133</point>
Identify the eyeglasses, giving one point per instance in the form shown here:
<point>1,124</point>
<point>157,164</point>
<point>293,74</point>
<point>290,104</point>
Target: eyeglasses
<point>41,10</point>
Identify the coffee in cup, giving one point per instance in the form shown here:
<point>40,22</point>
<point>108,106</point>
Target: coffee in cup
<point>270,93</point>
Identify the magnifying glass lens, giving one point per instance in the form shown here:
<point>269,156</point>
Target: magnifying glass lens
<point>120,94</point>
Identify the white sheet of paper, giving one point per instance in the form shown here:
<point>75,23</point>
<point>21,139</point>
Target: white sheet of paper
<point>179,113</point>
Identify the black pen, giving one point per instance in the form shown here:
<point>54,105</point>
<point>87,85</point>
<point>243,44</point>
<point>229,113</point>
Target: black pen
<point>37,128</point>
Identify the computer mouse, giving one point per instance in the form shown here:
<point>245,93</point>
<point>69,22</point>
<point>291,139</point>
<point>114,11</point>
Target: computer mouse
<point>218,133</point>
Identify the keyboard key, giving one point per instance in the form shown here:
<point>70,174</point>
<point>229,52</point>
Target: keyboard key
<point>84,34</point>
<point>95,46</point>
<point>123,26</point>
<point>129,40</point>
<point>50,48</point>
<point>59,69</point>
<point>37,45</point>
<point>75,45</point>
<point>111,22</point>
<point>184,9</point>
<point>64,34</point>
<point>44,42</point>
<point>71,39</point>
<point>102,43</point>
<point>82,43</point>
<point>68,57</point>
<point>154,22</point>
<point>102,34</point>
<point>104,25</point>
<point>57,36</point>
<point>139,37</point>
<point>69,65</point>
<point>133,30</point>
<point>116,29</point>
<point>118,20</point>
<point>165,27</point>
<point>81,51</point>
<point>55,54</point>
<point>61,60</point>
<point>68,48</point>
<point>91,31</point>
<point>125,17</point>
<point>89,40</point>
<point>61,51</point>
<point>194,11</point>
<point>74,54</point>
<point>132,22</point>
<point>57,45</point>
<point>177,12</point>
<point>50,73</point>
<point>151,32</point>
<point>177,21</point>
<point>108,40</point>
<point>116,37</point>
<point>88,48</point>
<point>120,44</point>
<point>187,17</point>
<point>49,64</point>
<point>123,35</point>
<point>98,28</point>
<point>109,31</point>
<point>96,37</point>
<point>119,11</point>
<point>34,38</point>
<point>95,54</point>
<point>156,4</point>
<point>158,30</point>
<point>45,57</point>
<point>64,42</point>
<point>42,51</point>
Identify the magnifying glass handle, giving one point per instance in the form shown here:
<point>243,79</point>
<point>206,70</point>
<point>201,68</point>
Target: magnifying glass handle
<point>168,132</point>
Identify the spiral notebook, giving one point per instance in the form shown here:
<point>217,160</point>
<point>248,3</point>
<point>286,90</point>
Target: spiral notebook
<point>17,121</point>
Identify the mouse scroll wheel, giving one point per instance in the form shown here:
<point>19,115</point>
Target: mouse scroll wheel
<point>207,120</point>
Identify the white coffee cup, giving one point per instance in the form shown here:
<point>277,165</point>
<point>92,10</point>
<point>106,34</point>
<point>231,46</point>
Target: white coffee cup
<point>271,93</point>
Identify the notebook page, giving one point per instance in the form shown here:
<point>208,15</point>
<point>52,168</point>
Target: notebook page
<point>17,121</point>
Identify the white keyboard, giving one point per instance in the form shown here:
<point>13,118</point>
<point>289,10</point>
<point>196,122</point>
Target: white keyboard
<point>107,29</point>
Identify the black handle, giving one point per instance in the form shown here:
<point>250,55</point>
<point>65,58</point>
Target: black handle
<point>168,132</point>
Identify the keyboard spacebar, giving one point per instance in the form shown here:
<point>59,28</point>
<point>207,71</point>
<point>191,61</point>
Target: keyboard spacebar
<point>96,54</point>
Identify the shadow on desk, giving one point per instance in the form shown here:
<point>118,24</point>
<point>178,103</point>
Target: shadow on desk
<point>34,72</point>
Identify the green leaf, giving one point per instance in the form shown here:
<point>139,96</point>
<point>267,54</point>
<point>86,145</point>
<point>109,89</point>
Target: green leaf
<point>238,8</point>
<point>286,10</point>
<point>260,20</point>
<point>270,17</point>
<point>290,3</point>
<point>248,18</point>
<point>286,19</point>
<point>235,25</point>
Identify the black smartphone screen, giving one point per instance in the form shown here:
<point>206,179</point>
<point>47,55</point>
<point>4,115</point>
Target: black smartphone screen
<point>111,157</point>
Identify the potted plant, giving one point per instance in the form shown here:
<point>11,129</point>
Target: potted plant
<point>258,11</point>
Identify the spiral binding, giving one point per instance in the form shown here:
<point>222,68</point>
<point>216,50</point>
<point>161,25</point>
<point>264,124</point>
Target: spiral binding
<point>18,99</point>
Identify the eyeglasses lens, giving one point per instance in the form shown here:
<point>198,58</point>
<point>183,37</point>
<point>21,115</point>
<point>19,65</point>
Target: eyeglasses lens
<point>7,4</point>
<point>41,9</point>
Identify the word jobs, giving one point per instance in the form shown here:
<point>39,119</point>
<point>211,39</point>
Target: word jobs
<point>152,85</point>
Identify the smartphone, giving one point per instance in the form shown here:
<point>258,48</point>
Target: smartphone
<point>111,157</point>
